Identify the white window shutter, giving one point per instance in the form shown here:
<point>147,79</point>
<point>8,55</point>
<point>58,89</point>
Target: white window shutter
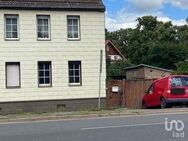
<point>13,75</point>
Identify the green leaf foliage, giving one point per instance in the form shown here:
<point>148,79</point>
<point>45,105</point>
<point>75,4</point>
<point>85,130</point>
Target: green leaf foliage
<point>117,69</point>
<point>153,42</point>
<point>182,68</point>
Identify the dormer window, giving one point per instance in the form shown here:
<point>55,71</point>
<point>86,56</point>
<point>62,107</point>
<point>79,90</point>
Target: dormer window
<point>11,27</point>
<point>43,27</point>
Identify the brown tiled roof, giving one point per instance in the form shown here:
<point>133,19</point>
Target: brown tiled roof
<point>78,5</point>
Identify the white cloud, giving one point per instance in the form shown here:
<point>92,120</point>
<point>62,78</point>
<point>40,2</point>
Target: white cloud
<point>125,19</point>
<point>183,4</point>
<point>150,5</point>
<point>146,5</point>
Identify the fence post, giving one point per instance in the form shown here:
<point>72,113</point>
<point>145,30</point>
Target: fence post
<point>123,93</point>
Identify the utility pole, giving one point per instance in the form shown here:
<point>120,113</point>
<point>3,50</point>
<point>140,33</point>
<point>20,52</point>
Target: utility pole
<point>100,73</point>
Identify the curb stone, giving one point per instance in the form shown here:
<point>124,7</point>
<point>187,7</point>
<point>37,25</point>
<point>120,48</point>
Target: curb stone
<point>35,118</point>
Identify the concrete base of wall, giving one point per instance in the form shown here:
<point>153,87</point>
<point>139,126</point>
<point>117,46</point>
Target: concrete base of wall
<point>49,105</point>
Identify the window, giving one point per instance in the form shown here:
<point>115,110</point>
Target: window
<point>179,82</point>
<point>73,25</point>
<point>151,89</point>
<point>44,74</point>
<point>11,27</point>
<point>75,72</point>
<point>43,26</point>
<point>12,74</point>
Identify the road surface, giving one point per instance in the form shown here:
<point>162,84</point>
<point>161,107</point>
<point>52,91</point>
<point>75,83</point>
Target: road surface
<point>127,128</point>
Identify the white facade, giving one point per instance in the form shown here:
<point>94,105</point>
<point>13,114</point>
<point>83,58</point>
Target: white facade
<point>28,50</point>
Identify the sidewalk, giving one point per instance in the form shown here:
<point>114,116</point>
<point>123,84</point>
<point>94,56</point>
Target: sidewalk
<point>87,114</point>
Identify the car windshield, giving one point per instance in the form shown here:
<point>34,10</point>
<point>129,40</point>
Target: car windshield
<point>179,81</point>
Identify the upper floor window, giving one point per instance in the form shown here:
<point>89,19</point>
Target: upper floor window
<point>11,27</point>
<point>73,25</point>
<point>43,26</point>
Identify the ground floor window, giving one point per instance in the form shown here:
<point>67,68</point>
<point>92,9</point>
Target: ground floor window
<point>13,75</point>
<point>44,74</point>
<point>74,72</point>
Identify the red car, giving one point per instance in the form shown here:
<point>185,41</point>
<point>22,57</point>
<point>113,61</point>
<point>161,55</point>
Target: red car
<point>167,91</point>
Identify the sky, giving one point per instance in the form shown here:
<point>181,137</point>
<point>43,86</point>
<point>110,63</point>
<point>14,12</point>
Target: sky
<point>123,13</point>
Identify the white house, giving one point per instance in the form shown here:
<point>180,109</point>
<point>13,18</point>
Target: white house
<point>50,54</point>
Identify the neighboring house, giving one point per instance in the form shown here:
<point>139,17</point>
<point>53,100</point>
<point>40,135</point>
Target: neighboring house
<point>50,54</point>
<point>113,52</point>
<point>143,71</point>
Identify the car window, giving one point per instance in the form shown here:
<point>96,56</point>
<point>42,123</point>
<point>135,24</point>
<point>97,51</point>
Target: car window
<point>179,81</point>
<point>151,89</point>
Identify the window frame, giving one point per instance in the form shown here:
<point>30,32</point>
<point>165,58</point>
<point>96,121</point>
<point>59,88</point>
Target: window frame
<point>80,73</point>
<point>49,27</point>
<point>50,73</point>
<point>5,28</point>
<point>12,63</point>
<point>79,27</point>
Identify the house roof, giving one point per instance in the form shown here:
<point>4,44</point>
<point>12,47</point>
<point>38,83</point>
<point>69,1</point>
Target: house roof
<point>110,42</point>
<point>77,5</point>
<point>148,66</point>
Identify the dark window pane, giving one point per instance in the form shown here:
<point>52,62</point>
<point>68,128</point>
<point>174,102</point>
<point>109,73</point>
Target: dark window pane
<point>8,27</point>
<point>69,28</point>
<point>77,72</point>
<point>75,35</point>
<point>39,21</point>
<point>77,66</point>
<point>14,21</point>
<point>70,66</point>
<point>69,22</point>
<point>47,80</point>
<point>39,28</point>
<point>45,21</point>
<point>46,35</point>
<point>71,72</point>
<point>15,35</point>
<point>14,28</point>
<point>75,22</point>
<point>8,21</point>
<point>40,66</point>
<point>77,80</point>
<point>40,35</point>
<point>8,35</point>
<point>47,66</point>
<point>70,35</point>
<point>76,28</point>
<point>41,73</point>
<point>47,73</point>
<point>41,81</point>
<point>45,28</point>
<point>71,79</point>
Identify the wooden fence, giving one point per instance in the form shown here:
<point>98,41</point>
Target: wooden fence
<point>130,92</point>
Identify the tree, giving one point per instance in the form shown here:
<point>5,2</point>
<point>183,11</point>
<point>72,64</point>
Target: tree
<point>182,68</point>
<point>147,23</point>
<point>153,42</point>
<point>166,55</point>
<point>183,34</point>
<point>116,69</point>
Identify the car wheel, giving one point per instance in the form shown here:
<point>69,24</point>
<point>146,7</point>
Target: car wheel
<point>144,106</point>
<point>163,103</point>
<point>186,104</point>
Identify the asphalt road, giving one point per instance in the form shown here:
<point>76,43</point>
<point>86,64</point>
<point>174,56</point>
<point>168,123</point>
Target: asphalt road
<point>131,128</point>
